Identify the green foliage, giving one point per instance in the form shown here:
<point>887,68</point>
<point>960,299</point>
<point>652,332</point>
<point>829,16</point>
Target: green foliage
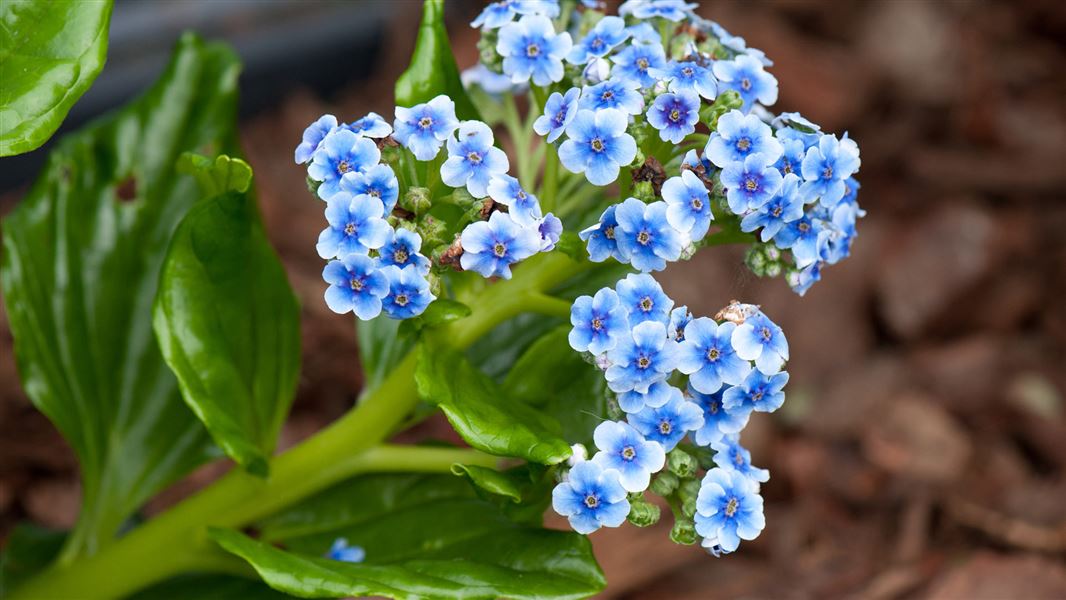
<point>433,70</point>
<point>229,326</point>
<point>81,261</point>
<point>439,312</point>
<point>424,536</point>
<point>50,53</point>
<point>223,174</point>
<point>205,586</point>
<point>29,549</point>
<point>485,417</point>
<point>381,347</point>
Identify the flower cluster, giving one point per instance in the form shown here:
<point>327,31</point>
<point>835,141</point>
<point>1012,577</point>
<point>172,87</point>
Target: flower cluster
<point>659,81</point>
<point>674,377</point>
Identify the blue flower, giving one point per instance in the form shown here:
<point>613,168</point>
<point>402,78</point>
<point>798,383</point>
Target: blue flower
<point>491,247</point>
<point>644,299</point>
<point>532,50</point>
<point>340,550</point>
<point>623,449</point>
<point>550,229</point>
<point>675,115</point>
<point>738,137</point>
<point>783,208</point>
<point>600,238</point>
<point>523,207</point>
<point>805,237</point>
<point>733,42</point>
<point>795,122</point>
<point>793,153</point>
<point>371,126</point>
<point>826,167</point>
<point>402,249</point>
<point>728,509</point>
<point>708,358</point>
<point>688,205</point>
<point>340,152</point>
<point>717,419</point>
<point>598,145</point>
<point>745,75</point>
<point>695,162</point>
<point>355,285</point>
<point>378,181</point>
<point>679,319</point>
<point>492,82</point>
<point>644,33</point>
<point>658,394</point>
<point>641,359</point>
<point>598,42</point>
<point>645,236</point>
<point>838,246</point>
<point>759,392</point>
<point>761,340</point>
<point>591,498</point>
<point>689,76</point>
<point>669,423</point>
<point>409,293</point>
<point>423,128</point>
<point>730,455</point>
<point>750,184</point>
<point>599,322</point>
<point>313,136</point>
<point>498,14</point>
<point>800,281</point>
<point>671,10</point>
<point>637,62</point>
<point>356,226</point>
<point>614,93</point>
<point>559,111</point>
<point>472,159</point>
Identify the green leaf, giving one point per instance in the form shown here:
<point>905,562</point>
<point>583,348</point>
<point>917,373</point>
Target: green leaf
<point>29,549</point>
<point>81,260</point>
<point>481,414</point>
<point>229,326</point>
<point>218,176</point>
<point>209,586</point>
<point>495,482</point>
<point>424,536</point>
<point>381,347</point>
<point>439,312</point>
<point>433,71</point>
<point>50,53</point>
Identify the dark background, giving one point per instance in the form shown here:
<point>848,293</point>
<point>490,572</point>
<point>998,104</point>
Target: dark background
<point>922,449</point>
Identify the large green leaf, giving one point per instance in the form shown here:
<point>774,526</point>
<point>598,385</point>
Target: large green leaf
<point>229,326</point>
<point>425,536</point>
<point>433,70</point>
<point>50,53</point>
<point>486,418</point>
<point>209,586</point>
<point>81,261</point>
<point>381,347</point>
<point>29,549</point>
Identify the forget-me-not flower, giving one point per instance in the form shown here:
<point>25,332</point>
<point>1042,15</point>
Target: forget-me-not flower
<point>838,246</point>
<point>783,208</point>
<point>599,41</point>
<point>313,136</point>
<point>532,50</point>
<point>708,358</point>
<point>340,152</point>
<point>680,317</point>
<point>355,285</point>
<point>409,293</point>
<point>600,238</point>
<point>402,249</point>
<point>550,229</point>
<point>640,359</point>
<point>491,247</point>
<point>759,392</point>
<point>645,236</point>
<point>675,115</point>
<point>423,128</point>
<point>340,550</point>
<point>499,13</point>
<point>738,137</point>
<point>658,394</point>
<point>598,322</point>
<point>792,155</point>
<point>625,450</point>
<point>378,181</point>
<point>717,419</point>
<point>614,93</point>
<point>800,281</point>
<point>671,10</point>
<point>750,183</point>
<point>644,299</point>
<point>728,509</point>
<point>729,454</point>
<point>826,167</point>
<point>644,33</point>
<point>371,126</point>
<point>356,226</point>
<point>591,497</point>
<point>689,76</point>
<point>523,207</point>
<point>637,62</point>
<point>688,204</point>
<point>746,76</point>
<point>472,159</point>
<point>761,340</point>
<point>559,111</point>
<point>598,145</point>
<point>668,424</point>
<point>805,237</point>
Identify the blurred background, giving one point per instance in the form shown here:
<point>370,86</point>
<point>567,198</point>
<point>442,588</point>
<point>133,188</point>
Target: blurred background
<point>922,449</point>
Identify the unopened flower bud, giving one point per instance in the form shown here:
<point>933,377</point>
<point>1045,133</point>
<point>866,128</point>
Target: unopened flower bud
<point>416,200</point>
<point>432,232</point>
<point>643,513</point>
<point>664,483</point>
<point>683,532</point>
<point>312,186</point>
<point>681,463</point>
<point>644,191</point>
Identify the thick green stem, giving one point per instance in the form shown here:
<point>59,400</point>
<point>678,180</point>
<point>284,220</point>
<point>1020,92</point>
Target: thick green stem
<point>176,541</point>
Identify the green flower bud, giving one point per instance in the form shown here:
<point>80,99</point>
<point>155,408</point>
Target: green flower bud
<point>391,154</point>
<point>614,412</point>
<point>664,484</point>
<point>435,285</point>
<point>687,493</point>
<point>432,232</point>
<point>644,191</point>
<point>312,186</point>
<point>684,532</point>
<point>681,463</point>
<point>643,513</point>
<point>416,200</point>
<point>764,260</point>
<point>725,102</point>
